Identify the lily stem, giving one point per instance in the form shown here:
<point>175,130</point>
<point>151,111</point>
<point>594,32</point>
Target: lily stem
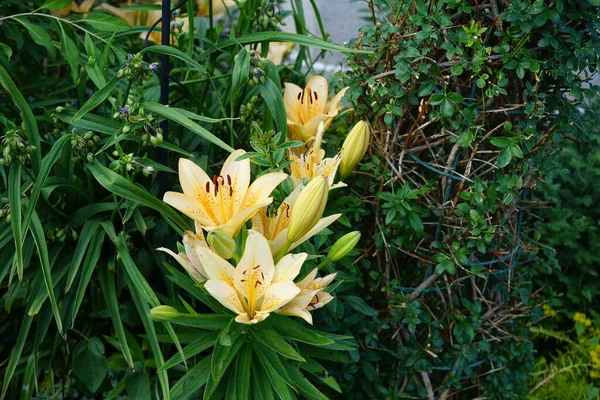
<point>325,263</point>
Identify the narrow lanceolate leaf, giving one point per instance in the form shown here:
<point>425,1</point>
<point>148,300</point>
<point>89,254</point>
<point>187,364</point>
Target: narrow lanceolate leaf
<point>307,389</point>
<point>293,330</point>
<point>266,335</point>
<point>29,123</point>
<point>242,373</point>
<point>203,342</point>
<point>143,287</point>
<point>15,354</point>
<point>55,4</point>
<point>274,101</point>
<point>90,227</point>
<point>107,283</point>
<point>93,255</point>
<point>193,380</point>
<point>280,386</point>
<point>97,98</point>
<point>70,52</point>
<point>276,36</point>
<point>120,186</point>
<point>39,35</point>
<point>40,243</point>
<point>41,177</point>
<point>176,116</point>
<point>14,199</point>
<point>172,51</point>
<point>144,311</point>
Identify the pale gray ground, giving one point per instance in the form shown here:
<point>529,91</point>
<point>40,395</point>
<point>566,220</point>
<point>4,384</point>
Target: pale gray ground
<point>341,20</point>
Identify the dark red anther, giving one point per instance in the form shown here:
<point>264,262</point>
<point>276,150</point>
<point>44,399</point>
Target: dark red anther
<point>257,283</point>
<point>299,95</point>
<point>230,191</point>
<point>207,187</point>
<point>316,97</point>
<point>228,179</point>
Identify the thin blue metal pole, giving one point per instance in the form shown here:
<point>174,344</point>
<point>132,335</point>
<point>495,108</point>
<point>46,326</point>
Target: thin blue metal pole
<point>164,87</point>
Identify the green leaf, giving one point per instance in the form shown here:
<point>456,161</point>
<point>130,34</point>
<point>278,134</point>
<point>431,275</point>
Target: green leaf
<point>242,373</point>
<point>203,342</point>
<point>172,51</point>
<point>97,98</point>
<point>107,284</point>
<point>359,305</point>
<point>29,123</point>
<point>90,122</point>
<point>426,88</point>
<point>220,361</point>
<point>193,380</point>
<point>39,35</point>
<point>274,100</point>
<point>504,157</point>
<point>40,243</point>
<point>90,227</point>
<point>175,115</point>
<point>91,260</point>
<point>89,363</point>
<point>447,109</point>
<point>241,69</point>
<point>55,4</point>
<point>15,354</point>
<point>516,151</point>
<point>144,313</point>
<point>276,36</point>
<point>293,330</point>
<point>70,53</point>
<point>303,385</point>
<point>265,334</point>
<point>274,369</point>
<point>120,186</point>
<point>105,23</point>
<point>14,199</point>
<point>138,384</point>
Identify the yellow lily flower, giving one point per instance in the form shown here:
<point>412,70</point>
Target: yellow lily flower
<point>306,108</point>
<point>256,287</point>
<point>311,297</point>
<point>189,260</point>
<point>226,201</point>
<point>76,6</point>
<point>313,163</point>
<point>273,225</point>
<point>219,7</point>
<point>278,51</point>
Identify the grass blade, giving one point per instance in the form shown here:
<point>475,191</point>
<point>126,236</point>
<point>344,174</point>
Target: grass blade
<point>40,242</point>
<point>15,355</point>
<point>97,98</point>
<point>14,199</point>
<point>107,284</point>
<point>89,230</point>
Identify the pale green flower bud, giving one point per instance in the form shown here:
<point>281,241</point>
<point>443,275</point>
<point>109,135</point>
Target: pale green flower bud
<point>354,147</point>
<point>308,208</point>
<point>221,243</point>
<point>164,313</point>
<point>343,246</point>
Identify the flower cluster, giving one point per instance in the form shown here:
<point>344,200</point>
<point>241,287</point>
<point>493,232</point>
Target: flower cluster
<point>251,271</point>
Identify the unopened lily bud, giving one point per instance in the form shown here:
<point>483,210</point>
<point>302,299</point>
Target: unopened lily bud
<point>343,246</point>
<point>308,208</point>
<point>354,147</point>
<point>221,243</point>
<point>164,313</point>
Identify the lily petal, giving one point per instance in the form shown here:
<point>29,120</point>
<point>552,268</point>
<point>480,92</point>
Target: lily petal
<point>277,295</point>
<point>312,125</point>
<point>314,98</point>
<point>291,99</point>
<point>262,187</point>
<point>321,224</point>
<point>288,268</point>
<point>197,274</point>
<point>255,270</point>
<point>215,267</point>
<point>190,206</point>
<point>303,284</point>
<point>225,294</point>
<point>333,104</point>
<point>234,224</point>
<point>239,174</point>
